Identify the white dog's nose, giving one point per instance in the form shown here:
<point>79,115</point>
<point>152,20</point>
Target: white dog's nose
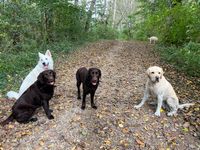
<point>157,79</point>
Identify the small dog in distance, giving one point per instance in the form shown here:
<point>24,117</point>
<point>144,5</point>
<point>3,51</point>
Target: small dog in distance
<point>153,40</point>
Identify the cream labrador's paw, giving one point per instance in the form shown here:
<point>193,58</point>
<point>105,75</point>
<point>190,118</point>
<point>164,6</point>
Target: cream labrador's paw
<point>157,113</point>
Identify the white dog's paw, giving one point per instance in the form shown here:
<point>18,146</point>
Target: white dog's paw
<point>137,106</point>
<point>157,113</point>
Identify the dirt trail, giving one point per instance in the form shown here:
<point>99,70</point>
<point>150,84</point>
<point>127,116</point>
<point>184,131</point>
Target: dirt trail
<point>115,124</point>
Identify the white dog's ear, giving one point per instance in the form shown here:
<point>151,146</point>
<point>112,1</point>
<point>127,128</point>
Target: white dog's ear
<point>48,53</point>
<point>40,55</point>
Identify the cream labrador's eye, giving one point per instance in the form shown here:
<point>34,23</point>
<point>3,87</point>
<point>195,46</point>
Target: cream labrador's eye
<point>158,72</point>
<point>152,72</point>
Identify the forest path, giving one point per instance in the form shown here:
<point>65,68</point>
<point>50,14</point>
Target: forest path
<point>115,124</point>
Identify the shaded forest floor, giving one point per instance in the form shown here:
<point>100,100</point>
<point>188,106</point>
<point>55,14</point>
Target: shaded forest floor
<point>115,124</point>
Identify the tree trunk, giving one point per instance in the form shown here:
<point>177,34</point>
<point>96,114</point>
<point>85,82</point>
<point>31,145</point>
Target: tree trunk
<point>114,13</point>
<point>76,2</point>
<point>89,15</point>
<point>169,2</point>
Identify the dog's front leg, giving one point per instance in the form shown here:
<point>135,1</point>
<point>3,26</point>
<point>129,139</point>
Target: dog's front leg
<point>159,105</point>
<point>46,109</point>
<point>144,99</point>
<point>83,101</point>
<point>92,100</point>
<point>50,110</point>
<point>78,87</point>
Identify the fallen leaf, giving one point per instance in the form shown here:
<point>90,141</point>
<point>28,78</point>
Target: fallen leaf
<point>41,143</point>
<point>185,129</point>
<point>73,148</point>
<point>124,143</point>
<point>107,142</point>
<point>186,124</point>
<point>121,125</point>
<point>162,110</point>
<point>125,130</point>
<point>99,116</point>
<point>10,126</point>
<point>140,142</point>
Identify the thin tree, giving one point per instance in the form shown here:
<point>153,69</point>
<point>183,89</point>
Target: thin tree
<point>89,15</point>
<point>76,2</point>
<point>114,13</point>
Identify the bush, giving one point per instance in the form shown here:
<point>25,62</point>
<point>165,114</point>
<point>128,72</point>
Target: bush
<point>102,31</point>
<point>186,59</point>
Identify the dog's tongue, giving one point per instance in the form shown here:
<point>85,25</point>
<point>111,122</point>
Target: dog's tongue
<point>52,83</point>
<point>94,83</point>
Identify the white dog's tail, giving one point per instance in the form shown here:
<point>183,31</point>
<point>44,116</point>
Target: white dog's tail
<point>12,94</point>
<point>185,105</point>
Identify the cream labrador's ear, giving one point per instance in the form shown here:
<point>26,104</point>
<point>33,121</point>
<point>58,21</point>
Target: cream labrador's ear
<point>48,53</point>
<point>148,72</point>
<point>161,72</point>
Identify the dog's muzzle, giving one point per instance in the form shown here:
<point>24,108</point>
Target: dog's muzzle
<point>157,79</point>
<point>45,65</point>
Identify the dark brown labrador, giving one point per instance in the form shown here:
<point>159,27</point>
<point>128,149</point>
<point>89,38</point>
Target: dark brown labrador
<point>37,95</point>
<point>90,79</point>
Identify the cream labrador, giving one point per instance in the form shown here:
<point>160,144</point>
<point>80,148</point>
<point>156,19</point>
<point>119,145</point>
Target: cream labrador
<point>159,87</point>
<point>153,39</point>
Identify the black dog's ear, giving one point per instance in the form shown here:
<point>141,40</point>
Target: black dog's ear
<point>99,73</point>
<point>54,74</point>
<point>40,78</point>
<point>89,71</point>
<point>88,76</point>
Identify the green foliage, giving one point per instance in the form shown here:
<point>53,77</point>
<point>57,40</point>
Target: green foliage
<point>102,31</point>
<point>186,59</point>
<point>176,24</point>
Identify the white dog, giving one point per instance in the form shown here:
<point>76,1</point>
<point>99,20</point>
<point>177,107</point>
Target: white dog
<point>153,39</point>
<point>45,62</point>
<point>159,87</point>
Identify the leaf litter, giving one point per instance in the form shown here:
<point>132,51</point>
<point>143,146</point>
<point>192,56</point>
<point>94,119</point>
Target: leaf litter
<point>115,124</point>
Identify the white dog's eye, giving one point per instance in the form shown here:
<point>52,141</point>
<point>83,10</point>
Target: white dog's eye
<point>46,58</point>
<point>41,59</point>
<point>152,72</point>
<point>158,72</point>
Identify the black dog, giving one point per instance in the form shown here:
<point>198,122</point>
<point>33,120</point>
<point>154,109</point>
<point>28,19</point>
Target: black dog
<point>38,94</point>
<point>90,79</point>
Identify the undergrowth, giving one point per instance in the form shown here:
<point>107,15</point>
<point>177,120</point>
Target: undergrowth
<point>185,58</point>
